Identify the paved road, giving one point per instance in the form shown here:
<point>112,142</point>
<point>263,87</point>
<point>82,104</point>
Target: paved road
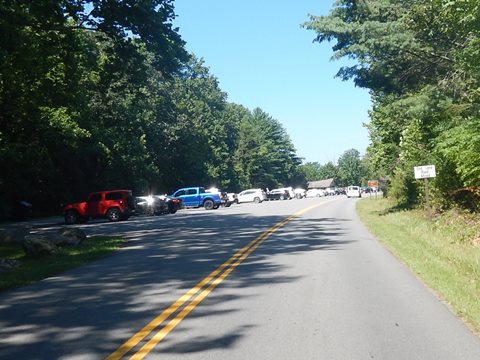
<point>315,285</point>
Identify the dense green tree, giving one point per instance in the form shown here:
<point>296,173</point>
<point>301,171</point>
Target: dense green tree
<point>72,80</point>
<point>198,135</point>
<point>419,59</point>
<point>350,169</point>
<point>329,171</point>
<point>265,156</point>
<point>102,94</point>
<point>312,171</point>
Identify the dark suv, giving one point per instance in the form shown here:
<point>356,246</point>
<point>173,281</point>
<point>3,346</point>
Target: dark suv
<point>114,205</point>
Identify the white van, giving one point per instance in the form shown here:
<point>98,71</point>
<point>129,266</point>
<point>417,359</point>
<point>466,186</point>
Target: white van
<point>354,191</point>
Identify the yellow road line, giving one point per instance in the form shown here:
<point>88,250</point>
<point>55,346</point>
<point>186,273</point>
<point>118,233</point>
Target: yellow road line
<point>193,304</point>
<point>229,265</point>
<point>147,329</point>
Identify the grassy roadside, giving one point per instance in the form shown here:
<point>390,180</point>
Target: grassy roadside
<point>34,269</point>
<point>444,252</point>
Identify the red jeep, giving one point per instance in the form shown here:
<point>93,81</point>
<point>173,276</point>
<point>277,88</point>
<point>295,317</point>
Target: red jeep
<point>115,205</point>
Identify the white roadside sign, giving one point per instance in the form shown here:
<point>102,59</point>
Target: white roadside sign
<point>424,172</point>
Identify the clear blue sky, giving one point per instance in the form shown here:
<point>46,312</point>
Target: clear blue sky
<point>262,57</point>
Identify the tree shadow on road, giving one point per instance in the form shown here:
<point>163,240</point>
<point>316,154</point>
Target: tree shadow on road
<point>163,258</point>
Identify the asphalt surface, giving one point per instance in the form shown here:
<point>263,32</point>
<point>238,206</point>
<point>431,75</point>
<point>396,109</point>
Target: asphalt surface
<point>316,286</point>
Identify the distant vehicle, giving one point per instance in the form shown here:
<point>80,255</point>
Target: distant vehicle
<point>290,191</point>
<point>174,204</point>
<point>197,197</point>
<point>330,192</point>
<point>315,193</point>
<point>354,191</point>
<point>157,205</point>
<point>115,205</point>
<point>223,196</point>
<point>233,198</point>
<point>300,193</point>
<point>252,195</point>
<point>278,194</point>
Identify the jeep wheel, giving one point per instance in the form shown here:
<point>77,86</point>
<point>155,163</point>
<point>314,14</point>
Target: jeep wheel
<point>208,204</point>
<point>256,200</point>
<point>114,214</point>
<point>71,217</point>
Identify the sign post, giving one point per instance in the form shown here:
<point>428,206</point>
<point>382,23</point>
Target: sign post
<point>425,172</point>
<point>373,184</point>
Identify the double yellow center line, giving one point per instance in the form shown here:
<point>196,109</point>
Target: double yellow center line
<point>207,284</point>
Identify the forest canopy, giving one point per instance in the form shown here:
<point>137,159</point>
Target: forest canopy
<point>102,94</point>
<point>419,59</point>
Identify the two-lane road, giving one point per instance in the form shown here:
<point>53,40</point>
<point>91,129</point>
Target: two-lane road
<point>298,279</point>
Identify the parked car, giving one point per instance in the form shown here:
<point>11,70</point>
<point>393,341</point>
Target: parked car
<point>354,191</point>
<point>249,195</point>
<point>300,193</point>
<point>233,198</point>
<point>197,196</point>
<point>367,190</point>
<point>114,205</point>
<point>315,193</point>
<point>289,190</point>
<point>330,192</point>
<point>225,199</point>
<point>174,204</point>
<point>157,205</point>
<point>278,194</point>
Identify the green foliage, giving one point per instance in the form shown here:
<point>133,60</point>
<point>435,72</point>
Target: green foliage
<point>443,252</point>
<point>420,61</point>
<point>265,156</point>
<point>103,94</point>
<point>461,146</point>
<point>403,189</point>
<point>312,171</point>
<point>72,93</point>
<point>196,135</point>
<point>35,269</point>
<point>350,168</point>
<point>328,171</point>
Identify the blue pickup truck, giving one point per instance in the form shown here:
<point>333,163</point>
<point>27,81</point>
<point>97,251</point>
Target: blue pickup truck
<point>196,197</point>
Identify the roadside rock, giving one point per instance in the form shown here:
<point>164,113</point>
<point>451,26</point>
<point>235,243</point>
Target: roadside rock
<point>36,245</point>
<point>73,236</point>
<point>9,236</point>
<point>47,244</point>
<point>7,264</point>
